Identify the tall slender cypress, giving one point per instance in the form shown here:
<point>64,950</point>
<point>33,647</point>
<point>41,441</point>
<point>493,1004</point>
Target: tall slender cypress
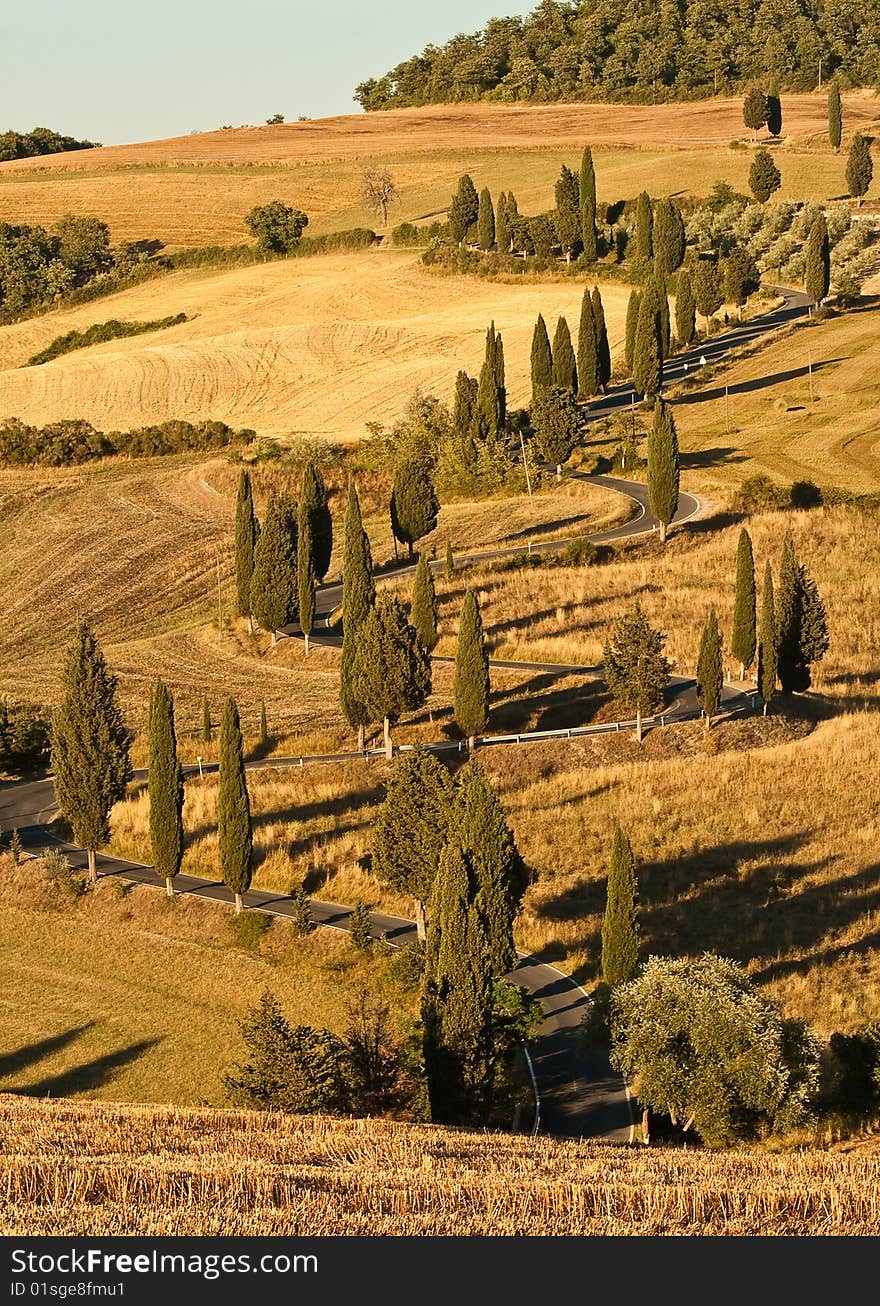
<point>588,231</point>
<point>207,725</point>
<point>564,365</point>
<point>685,310</point>
<point>620,923</point>
<point>768,642</point>
<point>90,745</point>
<point>587,355</point>
<point>661,300</point>
<point>801,625</point>
<point>423,612</point>
<point>502,225</point>
<point>165,787</point>
<point>632,322</point>
<point>587,178</point>
<point>542,360</point>
<point>234,828</point>
<point>835,116</point>
<point>743,640</point>
<point>464,209</point>
<point>487,411</point>
<point>500,383</point>
<point>859,168</point>
<point>603,349</point>
<point>774,108</point>
<point>818,261</point>
<point>465,403</point>
<point>710,674</point>
<point>305,571</point>
<point>485,221</point>
<point>471,685</point>
<point>664,467</point>
<point>246,531</point>
<point>273,583</point>
<point>481,828</point>
<point>358,599</point>
<point>314,496</point>
<point>644,240</point>
<point>647,366</point>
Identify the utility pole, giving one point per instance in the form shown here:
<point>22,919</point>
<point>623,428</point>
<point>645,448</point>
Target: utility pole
<point>727,408</point>
<point>820,74</point>
<point>522,445</point>
<point>219,602</point>
<point>810,372</point>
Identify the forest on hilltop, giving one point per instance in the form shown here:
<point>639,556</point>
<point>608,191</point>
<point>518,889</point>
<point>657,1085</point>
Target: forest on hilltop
<point>640,51</point>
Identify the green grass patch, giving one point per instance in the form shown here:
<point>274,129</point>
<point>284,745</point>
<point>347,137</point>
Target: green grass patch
<point>98,334</point>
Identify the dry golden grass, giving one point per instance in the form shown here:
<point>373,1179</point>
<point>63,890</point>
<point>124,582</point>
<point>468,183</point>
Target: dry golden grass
<point>317,346</point>
<point>75,1169</point>
<point>130,997</point>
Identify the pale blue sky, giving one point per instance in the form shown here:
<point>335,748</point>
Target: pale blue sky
<point>114,70</point>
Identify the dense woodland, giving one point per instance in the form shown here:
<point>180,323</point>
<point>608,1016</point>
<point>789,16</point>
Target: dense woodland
<point>639,51</point>
<point>41,140</point>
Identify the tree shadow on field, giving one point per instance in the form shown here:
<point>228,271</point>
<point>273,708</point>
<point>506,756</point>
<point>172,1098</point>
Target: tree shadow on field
<point>718,521</point>
<point>545,527</point>
<point>568,708</point>
<point>11,1062</point>
<point>711,457</point>
<point>91,1074</point>
<point>757,383</point>
<point>826,957</point>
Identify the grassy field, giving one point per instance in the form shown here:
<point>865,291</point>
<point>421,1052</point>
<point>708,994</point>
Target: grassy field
<point>195,189</point>
<point>95,1169</point>
<point>317,346</point>
<point>161,1026</point>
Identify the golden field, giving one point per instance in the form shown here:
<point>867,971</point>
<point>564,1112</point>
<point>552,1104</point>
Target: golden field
<point>98,1169</point>
<point>196,189</point>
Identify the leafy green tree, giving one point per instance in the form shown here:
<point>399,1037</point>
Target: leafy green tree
<point>741,276</point>
<point>568,212</point>
<point>313,500</point>
<point>818,260</point>
<point>457,999</point>
<point>634,666</point>
<point>743,641</point>
<point>685,310</point>
<point>234,828</point>
<point>708,295</point>
<point>499,873</point>
<point>274,578</point>
<point>305,571</point>
<point>664,467</point>
<point>701,1045</point>
<point>669,237</point>
<point>90,745</point>
<point>588,354</point>
<point>835,117</point>
<point>358,598</point>
<point>542,359</point>
<point>470,692</point>
<point>603,349</point>
<point>414,505</point>
<point>768,642</point>
<point>485,221</point>
<point>558,425</point>
<point>246,532</point>
<point>392,671</point>
<point>424,605</point>
<point>859,168</point>
<point>564,365</point>
<point>165,786</point>
<point>412,827</point>
<point>774,108</point>
<point>632,323</point>
<point>644,237</point>
<point>801,624</point>
<point>647,368</point>
<point>84,246</point>
<point>620,924</point>
<point>276,226</point>
<point>710,673</point>
<point>764,176</point>
<point>464,209</point>
<point>587,179</point>
<point>295,1069</point>
<point>755,110</point>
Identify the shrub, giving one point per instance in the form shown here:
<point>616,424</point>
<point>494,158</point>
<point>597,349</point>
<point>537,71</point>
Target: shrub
<point>24,737</point>
<point>804,494</point>
<point>758,494</point>
<point>97,334</point>
<point>72,442</point>
<point>58,871</point>
<point>359,927</point>
<point>300,913</point>
<point>249,928</point>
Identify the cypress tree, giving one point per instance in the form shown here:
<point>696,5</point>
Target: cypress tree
<point>464,209</point>
<point>764,176</point>
<point>755,110</point>
<point>273,584</point>
<point>801,624</point>
<point>499,873</point>
<point>313,500</point>
<point>412,827</point>
<point>859,168</point>
<point>768,642</point>
<point>587,179</point>
<point>542,359</point>
<point>457,999</point>
<point>835,117</point>
<point>414,505</point>
<point>90,745</point>
<point>500,384</point>
<point>485,221</point>
<point>710,675</point>
<point>568,212</point>
<point>707,288</point>
<point>685,310</point>
<point>471,686</point>
<point>587,355</point>
<point>632,322</point>
<point>647,368</point>
<point>392,670</point>
<point>558,426</point>
<point>620,924</point>
<point>165,786</point>
<point>603,349</point>
<point>305,571</point>
<point>487,413</point>
<point>424,605</point>
<point>358,598</point>
<point>664,467</point>
<point>207,728</point>
<point>644,241</point>
<point>246,531</point>
<point>634,665</point>
<point>669,237</point>
<point>450,560</point>
<point>743,640</point>
<point>502,225</point>
<point>774,108</point>
<point>564,366</point>
<point>588,231</point>
<point>664,327</point>
<point>465,403</point>
<point>234,829</point>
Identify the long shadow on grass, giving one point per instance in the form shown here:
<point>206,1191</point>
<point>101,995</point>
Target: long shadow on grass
<point>826,957</point>
<point>349,803</point>
<point>758,383</point>
<point>91,1075</point>
<point>11,1062</point>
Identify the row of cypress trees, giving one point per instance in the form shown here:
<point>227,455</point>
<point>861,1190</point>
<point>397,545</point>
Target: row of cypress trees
<point>584,375</point>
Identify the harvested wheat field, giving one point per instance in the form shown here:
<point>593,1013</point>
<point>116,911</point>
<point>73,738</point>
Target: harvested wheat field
<point>98,1170</point>
<point>317,346</point>
<point>196,189</point>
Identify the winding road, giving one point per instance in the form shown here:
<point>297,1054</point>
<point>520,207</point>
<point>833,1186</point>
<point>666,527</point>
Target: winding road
<point>580,1094</point>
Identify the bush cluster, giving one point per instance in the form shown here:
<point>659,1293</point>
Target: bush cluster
<point>40,140</point>
<point>98,334</point>
<point>68,443</point>
<point>24,737</point>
